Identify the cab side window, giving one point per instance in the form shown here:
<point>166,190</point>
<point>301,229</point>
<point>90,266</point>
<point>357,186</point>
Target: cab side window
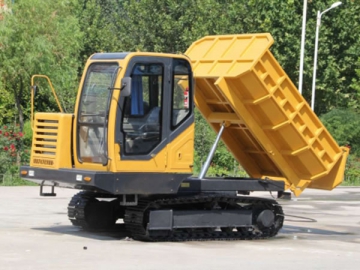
<point>181,95</point>
<point>141,123</point>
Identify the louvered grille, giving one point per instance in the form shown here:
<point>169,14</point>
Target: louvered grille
<point>45,140</point>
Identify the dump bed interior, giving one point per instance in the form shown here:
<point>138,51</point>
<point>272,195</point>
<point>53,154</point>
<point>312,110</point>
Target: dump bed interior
<point>270,128</point>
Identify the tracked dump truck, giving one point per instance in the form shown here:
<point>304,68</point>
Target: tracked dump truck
<point>129,144</point>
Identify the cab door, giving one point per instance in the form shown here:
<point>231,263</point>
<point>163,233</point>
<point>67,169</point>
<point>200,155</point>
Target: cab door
<point>154,115</point>
<point>142,130</point>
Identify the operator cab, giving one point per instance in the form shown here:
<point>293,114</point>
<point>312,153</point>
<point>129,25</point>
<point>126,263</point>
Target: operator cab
<point>154,105</point>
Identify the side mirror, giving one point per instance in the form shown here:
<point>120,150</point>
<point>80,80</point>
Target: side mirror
<point>125,87</point>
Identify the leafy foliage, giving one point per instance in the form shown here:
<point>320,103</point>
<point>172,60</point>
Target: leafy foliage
<point>7,107</point>
<point>344,125</point>
<point>223,163</point>
<point>11,149</point>
<point>56,37</point>
<point>39,38</point>
<point>97,23</point>
<point>355,85</point>
<point>338,52</point>
<point>352,173</point>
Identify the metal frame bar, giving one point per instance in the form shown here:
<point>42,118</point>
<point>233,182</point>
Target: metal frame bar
<point>179,219</point>
<point>211,153</point>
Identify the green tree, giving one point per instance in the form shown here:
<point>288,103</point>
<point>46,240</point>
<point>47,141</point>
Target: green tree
<point>355,85</point>
<point>344,125</point>
<point>204,137</point>
<point>223,163</point>
<point>7,107</point>
<point>339,46</point>
<point>39,37</point>
<point>97,20</point>
<point>164,26</point>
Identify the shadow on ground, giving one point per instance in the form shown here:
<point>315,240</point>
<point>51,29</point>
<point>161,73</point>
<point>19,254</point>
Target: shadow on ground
<point>117,233</point>
<point>288,232</point>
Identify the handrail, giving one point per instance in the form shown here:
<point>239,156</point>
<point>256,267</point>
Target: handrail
<point>32,95</point>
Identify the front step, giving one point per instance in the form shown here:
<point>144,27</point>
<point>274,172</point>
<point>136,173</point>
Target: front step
<point>47,194</point>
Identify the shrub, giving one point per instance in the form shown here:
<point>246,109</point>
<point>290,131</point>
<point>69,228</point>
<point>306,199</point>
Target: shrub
<point>12,150</point>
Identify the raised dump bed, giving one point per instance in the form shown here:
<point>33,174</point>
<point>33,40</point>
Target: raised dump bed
<point>270,128</point>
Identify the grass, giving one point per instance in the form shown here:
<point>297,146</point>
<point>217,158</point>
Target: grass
<point>14,180</point>
<point>351,181</point>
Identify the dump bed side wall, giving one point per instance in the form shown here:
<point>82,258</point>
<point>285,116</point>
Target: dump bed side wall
<point>271,130</point>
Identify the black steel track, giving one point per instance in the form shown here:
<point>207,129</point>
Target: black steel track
<point>100,215</point>
<point>136,218</point>
<point>76,208</point>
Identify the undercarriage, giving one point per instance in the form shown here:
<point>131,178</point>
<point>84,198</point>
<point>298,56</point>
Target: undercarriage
<point>212,216</point>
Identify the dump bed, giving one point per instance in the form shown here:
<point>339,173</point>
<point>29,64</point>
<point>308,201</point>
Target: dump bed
<point>270,128</point>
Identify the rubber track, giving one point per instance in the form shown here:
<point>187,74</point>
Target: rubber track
<point>76,208</point>
<point>136,219</point>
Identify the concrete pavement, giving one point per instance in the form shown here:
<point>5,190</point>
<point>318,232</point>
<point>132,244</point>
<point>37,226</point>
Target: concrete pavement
<point>321,231</point>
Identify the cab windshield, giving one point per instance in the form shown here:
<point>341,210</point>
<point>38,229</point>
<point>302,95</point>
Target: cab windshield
<point>94,104</point>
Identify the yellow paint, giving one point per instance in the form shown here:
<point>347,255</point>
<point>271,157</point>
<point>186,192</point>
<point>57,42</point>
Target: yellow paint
<point>177,157</point>
<point>270,128</point>
<point>273,132</point>
<point>51,145</point>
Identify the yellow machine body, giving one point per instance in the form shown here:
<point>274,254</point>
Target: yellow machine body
<point>129,145</point>
<point>51,148</point>
<point>270,128</point>
<point>54,132</point>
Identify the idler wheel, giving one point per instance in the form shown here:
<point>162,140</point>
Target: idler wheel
<point>265,219</point>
